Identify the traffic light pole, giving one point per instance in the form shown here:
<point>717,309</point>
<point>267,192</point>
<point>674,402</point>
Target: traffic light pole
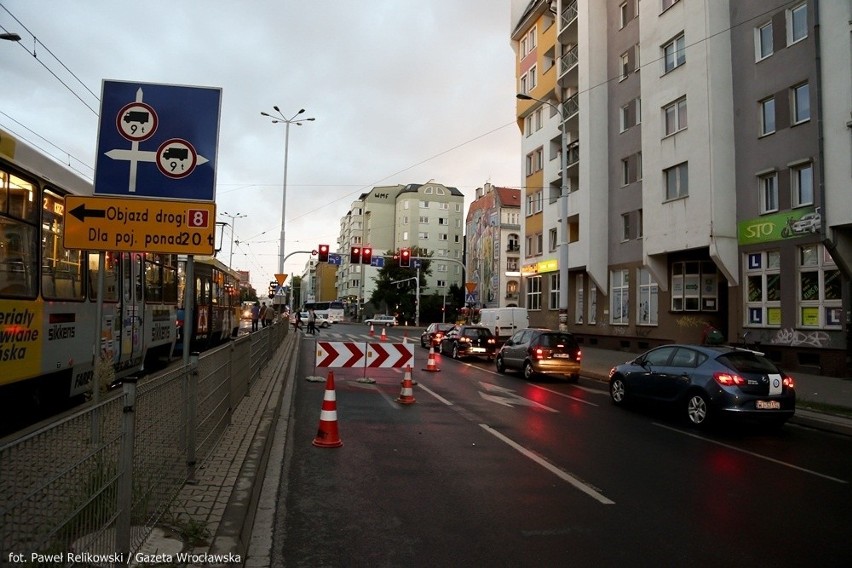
<point>416,295</point>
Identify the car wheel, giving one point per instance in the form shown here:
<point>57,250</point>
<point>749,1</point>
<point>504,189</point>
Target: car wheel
<point>500,364</point>
<point>455,350</point>
<point>528,371</point>
<point>697,409</point>
<point>618,391</point>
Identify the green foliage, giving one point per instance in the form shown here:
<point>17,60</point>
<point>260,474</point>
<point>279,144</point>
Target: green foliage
<point>394,297</point>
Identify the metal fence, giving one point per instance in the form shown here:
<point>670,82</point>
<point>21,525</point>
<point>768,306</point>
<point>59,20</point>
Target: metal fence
<point>95,482</point>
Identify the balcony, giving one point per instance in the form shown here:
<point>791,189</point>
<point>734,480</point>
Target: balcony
<point>568,22</point>
<point>568,68</point>
<point>513,247</point>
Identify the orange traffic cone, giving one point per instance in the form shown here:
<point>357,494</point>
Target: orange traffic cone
<point>406,396</point>
<point>371,330</point>
<point>327,436</point>
<point>431,366</point>
<point>383,337</point>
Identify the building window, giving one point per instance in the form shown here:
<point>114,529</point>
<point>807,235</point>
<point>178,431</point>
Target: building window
<point>534,293</point>
<point>763,41</point>
<point>630,114</point>
<point>797,23</point>
<point>763,289</point>
<point>674,53</point>
<point>552,239</point>
<point>820,289</point>
<point>668,4</point>
<point>578,299</point>
<point>675,116</point>
<point>534,202</point>
<point>625,171</point>
<point>803,184</point>
<point>424,204</point>
<point>624,15</point>
<point>441,283</point>
<point>423,235</point>
<point>528,125</point>
<point>768,185</point>
<point>625,226</point>
<point>694,286</point>
<point>801,103</point>
<point>767,116</point>
<point>648,308</point>
<point>624,66</point>
<point>677,181</point>
<point>554,291</point>
<point>640,226</point>
<point>593,304</point>
<point>620,294</point>
<point>424,219</point>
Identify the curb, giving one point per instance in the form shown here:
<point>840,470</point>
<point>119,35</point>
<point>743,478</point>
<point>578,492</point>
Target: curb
<point>234,532</point>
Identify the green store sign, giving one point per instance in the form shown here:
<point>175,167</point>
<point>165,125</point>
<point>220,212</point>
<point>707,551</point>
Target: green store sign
<point>780,226</point>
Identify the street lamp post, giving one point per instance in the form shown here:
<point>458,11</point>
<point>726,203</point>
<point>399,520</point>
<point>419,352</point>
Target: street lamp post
<point>279,118</point>
<point>233,218</point>
<point>563,241</point>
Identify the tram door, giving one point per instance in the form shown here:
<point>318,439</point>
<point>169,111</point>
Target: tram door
<point>132,310</point>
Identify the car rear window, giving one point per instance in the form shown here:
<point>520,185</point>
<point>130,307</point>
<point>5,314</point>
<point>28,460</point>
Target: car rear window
<point>556,339</point>
<point>748,362</point>
<point>478,332</point>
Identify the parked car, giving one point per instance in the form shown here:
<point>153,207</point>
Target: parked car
<point>433,334</point>
<point>381,319</point>
<point>540,352</point>
<point>468,341</point>
<point>705,382</point>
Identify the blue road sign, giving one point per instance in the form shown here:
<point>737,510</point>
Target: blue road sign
<point>378,261</point>
<point>470,298</point>
<point>158,141</point>
<point>335,259</point>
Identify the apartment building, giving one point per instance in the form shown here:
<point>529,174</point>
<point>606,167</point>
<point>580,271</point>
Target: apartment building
<point>708,172</point>
<point>493,238</point>
<point>427,217</point>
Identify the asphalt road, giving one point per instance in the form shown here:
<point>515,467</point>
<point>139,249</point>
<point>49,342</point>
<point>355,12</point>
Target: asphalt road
<point>490,470</point>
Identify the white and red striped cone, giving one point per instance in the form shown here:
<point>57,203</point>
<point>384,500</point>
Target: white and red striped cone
<point>406,396</point>
<point>327,435</point>
<point>431,366</point>
<point>371,330</point>
<point>384,337</point>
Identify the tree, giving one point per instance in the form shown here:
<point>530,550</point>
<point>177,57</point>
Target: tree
<point>399,297</point>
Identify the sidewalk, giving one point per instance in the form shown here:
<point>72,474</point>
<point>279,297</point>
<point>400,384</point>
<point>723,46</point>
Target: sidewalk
<point>227,498</point>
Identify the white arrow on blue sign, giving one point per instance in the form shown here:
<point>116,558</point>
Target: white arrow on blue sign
<point>335,259</point>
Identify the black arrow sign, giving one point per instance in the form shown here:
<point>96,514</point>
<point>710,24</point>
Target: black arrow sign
<point>81,212</point>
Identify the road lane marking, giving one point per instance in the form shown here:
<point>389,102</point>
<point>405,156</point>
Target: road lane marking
<point>753,454</point>
<point>436,395</point>
<point>564,475</point>
<point>507,397</point>
<point>562,394</point>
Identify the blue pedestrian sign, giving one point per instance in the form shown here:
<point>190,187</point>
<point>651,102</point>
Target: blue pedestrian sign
<point>158,141</point>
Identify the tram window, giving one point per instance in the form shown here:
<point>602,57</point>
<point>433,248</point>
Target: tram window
<point>170,280</point>
<point>160,278</point>
<point>110,277</point>
<point>18,274</point>
<point>17,197</point>
<point>62,269</point>
<point>139,275</point>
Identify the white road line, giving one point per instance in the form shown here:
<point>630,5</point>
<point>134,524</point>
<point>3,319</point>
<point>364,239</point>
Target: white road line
<point>562,394</point>
<point>433,393</point>
<point>565,476</point>
<point>759,456</point>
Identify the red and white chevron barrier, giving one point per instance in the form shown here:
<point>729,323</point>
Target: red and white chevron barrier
<point>356,355</point>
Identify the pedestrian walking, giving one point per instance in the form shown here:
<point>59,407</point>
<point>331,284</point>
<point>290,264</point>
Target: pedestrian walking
<point>255,315</point>
<point>312,322</point>
<point>270,316</point>
<point>262,314</point>
<point>297,321</point>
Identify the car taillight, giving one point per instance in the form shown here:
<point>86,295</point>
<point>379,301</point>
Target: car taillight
<point>464,339</point>
<point>540,353</point>
<point>491,341</point>
<point>788,382</point>
<point>728,379</point>
<point>579,354</point>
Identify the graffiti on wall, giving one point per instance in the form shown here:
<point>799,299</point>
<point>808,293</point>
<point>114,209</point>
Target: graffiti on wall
<point>794,337</point>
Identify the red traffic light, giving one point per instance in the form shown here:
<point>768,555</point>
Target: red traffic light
<point>366,255</point>
<point>322,255</point>
<point>355,255</point>
<point>405,258</point>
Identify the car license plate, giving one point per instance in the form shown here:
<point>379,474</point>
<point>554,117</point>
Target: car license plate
<point>768,405</point>
<point>477,350</point>
<point>562,355</point>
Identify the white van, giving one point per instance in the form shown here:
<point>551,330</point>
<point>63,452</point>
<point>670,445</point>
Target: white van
<point>504,322</point>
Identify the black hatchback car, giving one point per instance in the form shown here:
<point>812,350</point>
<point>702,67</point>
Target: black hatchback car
<point>469,341</point>
<point>540,352</point>
<point>704,382</point>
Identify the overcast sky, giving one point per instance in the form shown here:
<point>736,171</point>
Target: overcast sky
<point>403,91</point>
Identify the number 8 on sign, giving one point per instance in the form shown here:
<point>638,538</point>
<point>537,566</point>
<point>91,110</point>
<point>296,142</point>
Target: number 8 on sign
<point>198,218</point>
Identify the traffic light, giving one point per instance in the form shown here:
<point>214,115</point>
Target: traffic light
<point>405,258</point>
<point>322,254</point>
<point>272,287</point>
<point>355,255</point>
<point>366,255</point>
